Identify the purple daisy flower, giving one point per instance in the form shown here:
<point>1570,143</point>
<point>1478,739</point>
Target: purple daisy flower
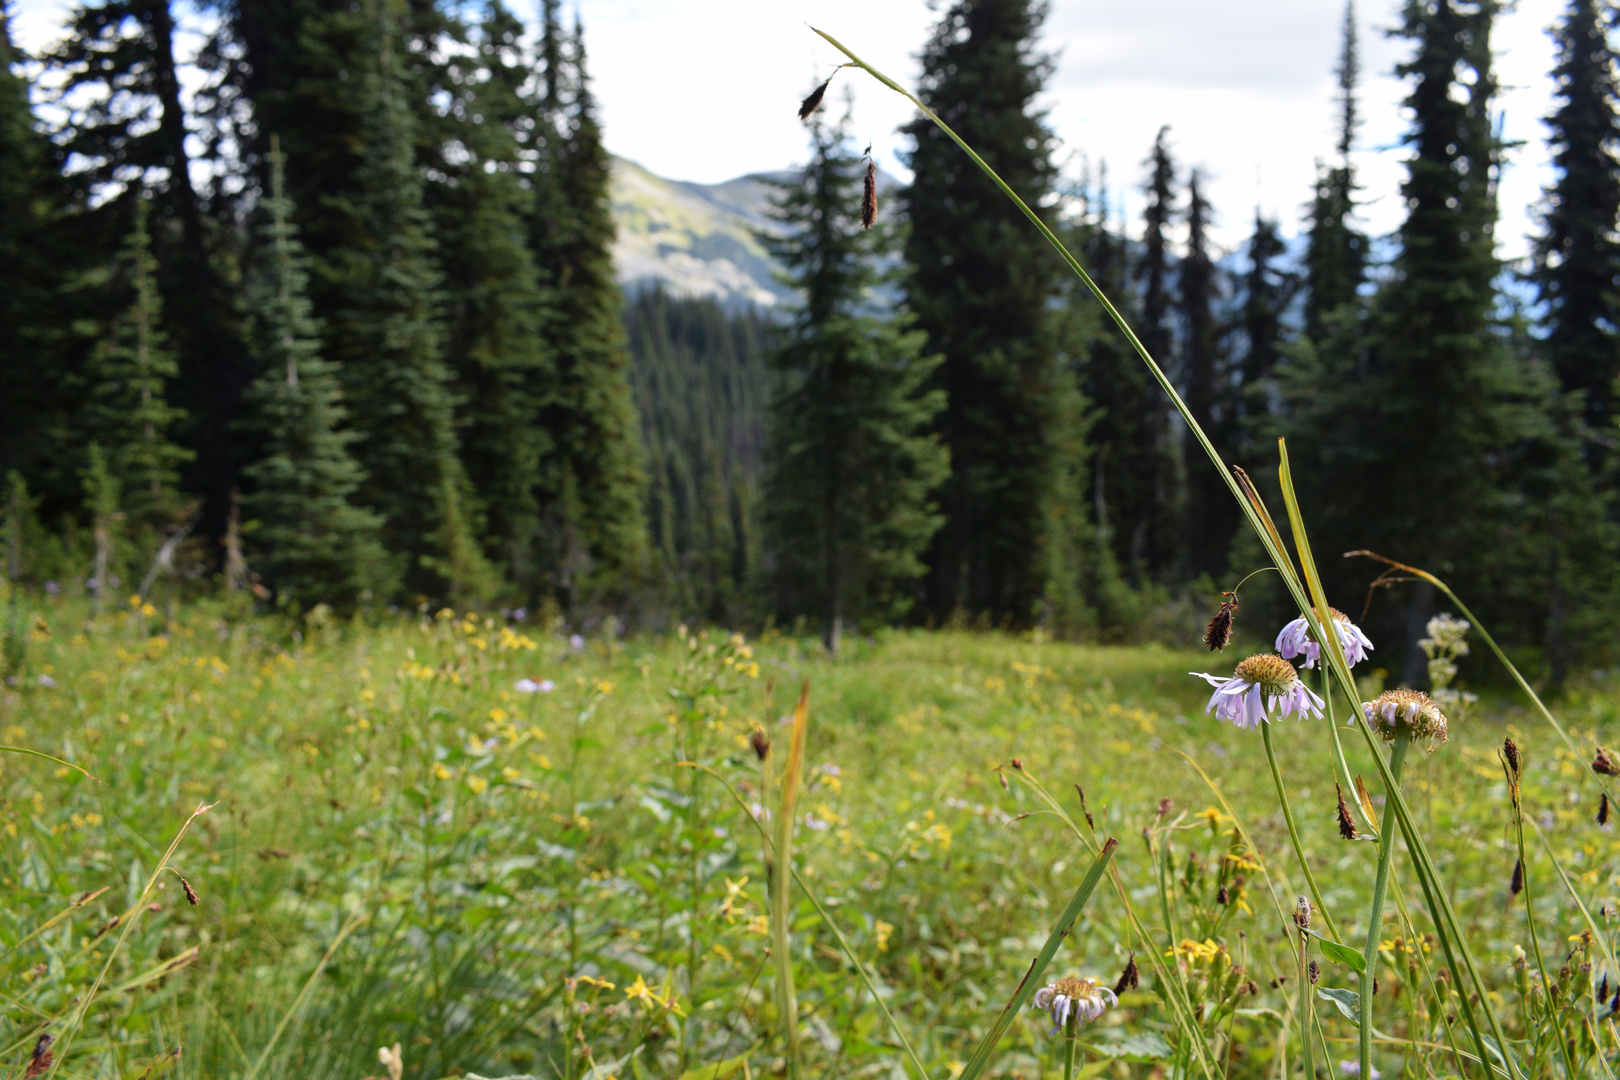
<point>1261,685</point>
<point>1296,640</point>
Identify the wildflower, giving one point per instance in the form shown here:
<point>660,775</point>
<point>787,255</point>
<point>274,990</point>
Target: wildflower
<point>47,682</point>
<point>882,932</point>
<point>1410,711</point>
<point>1261,684</point>
<point>1347,824</point>
<point>1296,639</point>
<point>1130,978</point>
<point>1353,1068</point>
<point>1082,998</point>
<point>576,643</point>
<point>1220,627</point>
<point>529,686</point>
<point>392,1059</point>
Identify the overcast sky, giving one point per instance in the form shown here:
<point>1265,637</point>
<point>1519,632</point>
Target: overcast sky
<point>705,90</point>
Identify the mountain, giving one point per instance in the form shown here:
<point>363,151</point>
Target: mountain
<point>698,239</point>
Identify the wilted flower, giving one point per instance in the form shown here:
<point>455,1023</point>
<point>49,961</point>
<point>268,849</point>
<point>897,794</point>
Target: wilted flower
<point>1086,999</point>
<point>1219,631</point>
<point>1296,640</point>
<point>1260,685</point>
<point>1411,711</point>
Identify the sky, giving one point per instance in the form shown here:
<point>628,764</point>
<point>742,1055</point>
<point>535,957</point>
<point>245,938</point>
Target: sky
<point>705,90</point>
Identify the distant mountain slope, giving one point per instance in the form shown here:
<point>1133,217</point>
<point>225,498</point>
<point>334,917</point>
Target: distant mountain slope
<point>698,239</point>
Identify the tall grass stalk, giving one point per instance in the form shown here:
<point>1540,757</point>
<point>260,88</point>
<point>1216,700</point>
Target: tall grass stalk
<point>1375,915</point>
<point>781,926</point>
<point>1293,831</point>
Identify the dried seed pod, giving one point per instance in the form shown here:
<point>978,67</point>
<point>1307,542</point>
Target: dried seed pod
<point>1510,750</point>
<point>1604,765</point>
<point>761,743</point>
<point>1164,806</point>
<point>1302,917</point>
<point>1516,885</point>
<point>191,894</point>
<point>1603,809</point>
<point>1314,972</point>
<point>812,102</point>
<point>1129,979</point>
<point>41,1059</point>
<point>869,195</point>
<point>1222,897</point>
<point>1347,824</point>
<point>1220,627</point>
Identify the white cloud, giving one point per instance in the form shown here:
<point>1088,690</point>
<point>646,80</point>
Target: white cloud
<point>705,89</point>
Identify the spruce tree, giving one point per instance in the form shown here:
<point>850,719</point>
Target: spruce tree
<point>494,308</point>
<point>308,539</point>
<point>1336,255</point>
<point>1211,516</point>
<point>1577,256</point>
<point>852,463</point>
<point>1268,292</point>
<point>597,484</point>
<point>381,320</point>
<point>126,409</point>
<point>981,287</point>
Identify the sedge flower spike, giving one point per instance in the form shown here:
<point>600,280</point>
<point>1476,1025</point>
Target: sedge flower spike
<point>1261,685</point>
<point>1296,640</point>
<point>1085,999</point>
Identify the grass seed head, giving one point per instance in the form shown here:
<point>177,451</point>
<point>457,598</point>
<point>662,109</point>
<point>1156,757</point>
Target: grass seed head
<point>761,743</point>
<point>1604,765</point>
<point>1603,809</point>
<point>41,1059</point>
<point>1510,750</point>
<point>1302,917</point>
<point>191,894</point>
<point>1130,978</point>
<point>869,195</point>
<point>1516,885</point>
<point>1347,824</point>
<point>1314,972</point>
<point>1219,632</point>
<point>1222,897</point>
<point>812,101</point>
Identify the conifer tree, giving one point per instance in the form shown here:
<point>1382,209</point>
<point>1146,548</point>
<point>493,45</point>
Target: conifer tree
<point>127,409</point>
<point>494,307</point>
<point>310,542</point>
<point>597,486</point>
<point>383,333</point>
<point>1268,290</point>
<point>982,292</point>
<point>853,462</point>
<point>1211,516</point>
<point>101,499</point>
<point>1577,256</point>
<point>1336,256</point>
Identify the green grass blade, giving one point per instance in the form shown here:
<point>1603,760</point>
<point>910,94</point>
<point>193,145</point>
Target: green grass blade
<point>1026,986</point>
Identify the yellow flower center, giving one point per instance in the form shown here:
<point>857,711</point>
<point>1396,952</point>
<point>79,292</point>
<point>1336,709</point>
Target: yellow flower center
<point>1274,674</point>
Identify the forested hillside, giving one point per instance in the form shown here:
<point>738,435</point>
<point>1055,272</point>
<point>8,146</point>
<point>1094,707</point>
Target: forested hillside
<point>334,311</point>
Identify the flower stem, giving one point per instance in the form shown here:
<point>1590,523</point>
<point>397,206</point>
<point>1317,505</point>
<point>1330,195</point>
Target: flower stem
<point>1305,1010</point>
<point>1070,1028</point>
<point>1375,919</point>
<point>1293,831</point>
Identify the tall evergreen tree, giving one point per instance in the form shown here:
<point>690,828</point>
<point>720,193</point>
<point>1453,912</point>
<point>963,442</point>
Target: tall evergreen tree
<point>1336,256</point>
<point>127,410</point>
<point>1268,291</point>
<point>383,332</point>
<point>853,463</point>
<point>1211,516</point>
<point>981,288</point>
<point>1577,256</point>
<point>596,498</point>
<point>310,542</point>
<point>494,308</point>
<point>119,81</point>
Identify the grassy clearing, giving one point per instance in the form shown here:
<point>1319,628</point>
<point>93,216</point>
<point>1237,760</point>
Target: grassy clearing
<point>403,847</point>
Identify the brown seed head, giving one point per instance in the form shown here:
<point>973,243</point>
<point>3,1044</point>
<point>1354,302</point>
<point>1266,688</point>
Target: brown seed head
<point>813,102</point>
<point>1347,824</point>
<point>1603,809</point>
<point>1164,806</point>
<point>1314,972</point>
<point>761,743</point>
<point>191,894</point>
<point>1092,824</point>
<point>1302,917</point>
<point>1516,885</point>
<point>1129,979</point>
<point>1219,632</point>
<point>1604,765</point>
<point>1510,750</point>
<point>41,1059</point>
<point>1222,897</point>
<point>869,195</point>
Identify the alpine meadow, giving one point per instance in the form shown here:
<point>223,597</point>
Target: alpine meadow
<point>475,609</point>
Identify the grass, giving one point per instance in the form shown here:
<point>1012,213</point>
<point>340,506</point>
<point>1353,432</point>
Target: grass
<point>405,848</point>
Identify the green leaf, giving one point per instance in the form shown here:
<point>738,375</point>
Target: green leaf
<point>718,1070</point>
<point>1348,1001</point>
<point>1143,1047</point>
<point>1344,954</point>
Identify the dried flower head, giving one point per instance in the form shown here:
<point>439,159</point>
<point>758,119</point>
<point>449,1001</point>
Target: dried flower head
<point>1516,883</point>
<point>41,1059</point>
<point>1302,916</point>
<point>1084,999</point>
<point>191,894</point>
<point>1296,639</point>
<point>1604,765</point>
<point>1510,750</point>
<point>1222,897</point>
<point>1603,809</point>
<point>812,101</point>
<point>1164,806</point>
<point>1347,824</point>
<point>1260,685</point>
<point>1314,972</point>
<point>1220,627</point>
<point>1130,978</point>
<point>869,195</point>
<point>1408,711</point>
<point>761,743</point>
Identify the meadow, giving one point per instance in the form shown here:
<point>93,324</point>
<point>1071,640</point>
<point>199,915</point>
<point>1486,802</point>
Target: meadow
<point>474,842</point>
